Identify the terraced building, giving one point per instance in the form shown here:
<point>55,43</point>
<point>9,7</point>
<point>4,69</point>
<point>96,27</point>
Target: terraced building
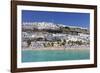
<point>47,34</point>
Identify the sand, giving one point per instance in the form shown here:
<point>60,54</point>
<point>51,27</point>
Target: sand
<point>59,48</point>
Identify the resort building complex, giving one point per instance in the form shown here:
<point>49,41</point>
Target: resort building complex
<point>39,35</point>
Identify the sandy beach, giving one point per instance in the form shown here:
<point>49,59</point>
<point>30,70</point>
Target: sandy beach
<point>58,48</point>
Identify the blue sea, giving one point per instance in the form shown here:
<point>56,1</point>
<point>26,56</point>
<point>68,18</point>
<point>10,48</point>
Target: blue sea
<point>54,55</point>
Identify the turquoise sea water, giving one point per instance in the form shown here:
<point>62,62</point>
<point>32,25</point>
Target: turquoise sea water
<point>54,55</point>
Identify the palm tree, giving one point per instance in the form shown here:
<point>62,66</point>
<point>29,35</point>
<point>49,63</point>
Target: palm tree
<point>28,42</point>
<point>52,44</point>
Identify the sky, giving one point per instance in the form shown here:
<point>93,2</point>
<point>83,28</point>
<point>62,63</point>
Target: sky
<point>65,18</point>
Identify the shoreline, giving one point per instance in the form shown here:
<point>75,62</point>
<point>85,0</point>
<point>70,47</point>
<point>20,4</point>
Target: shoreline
<point>80,48</point>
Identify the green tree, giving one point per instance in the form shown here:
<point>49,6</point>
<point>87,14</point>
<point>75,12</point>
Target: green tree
<point>28,42</point>
<point>52,44</point>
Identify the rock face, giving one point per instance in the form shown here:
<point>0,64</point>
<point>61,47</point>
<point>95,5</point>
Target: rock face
<point>44,34</point>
